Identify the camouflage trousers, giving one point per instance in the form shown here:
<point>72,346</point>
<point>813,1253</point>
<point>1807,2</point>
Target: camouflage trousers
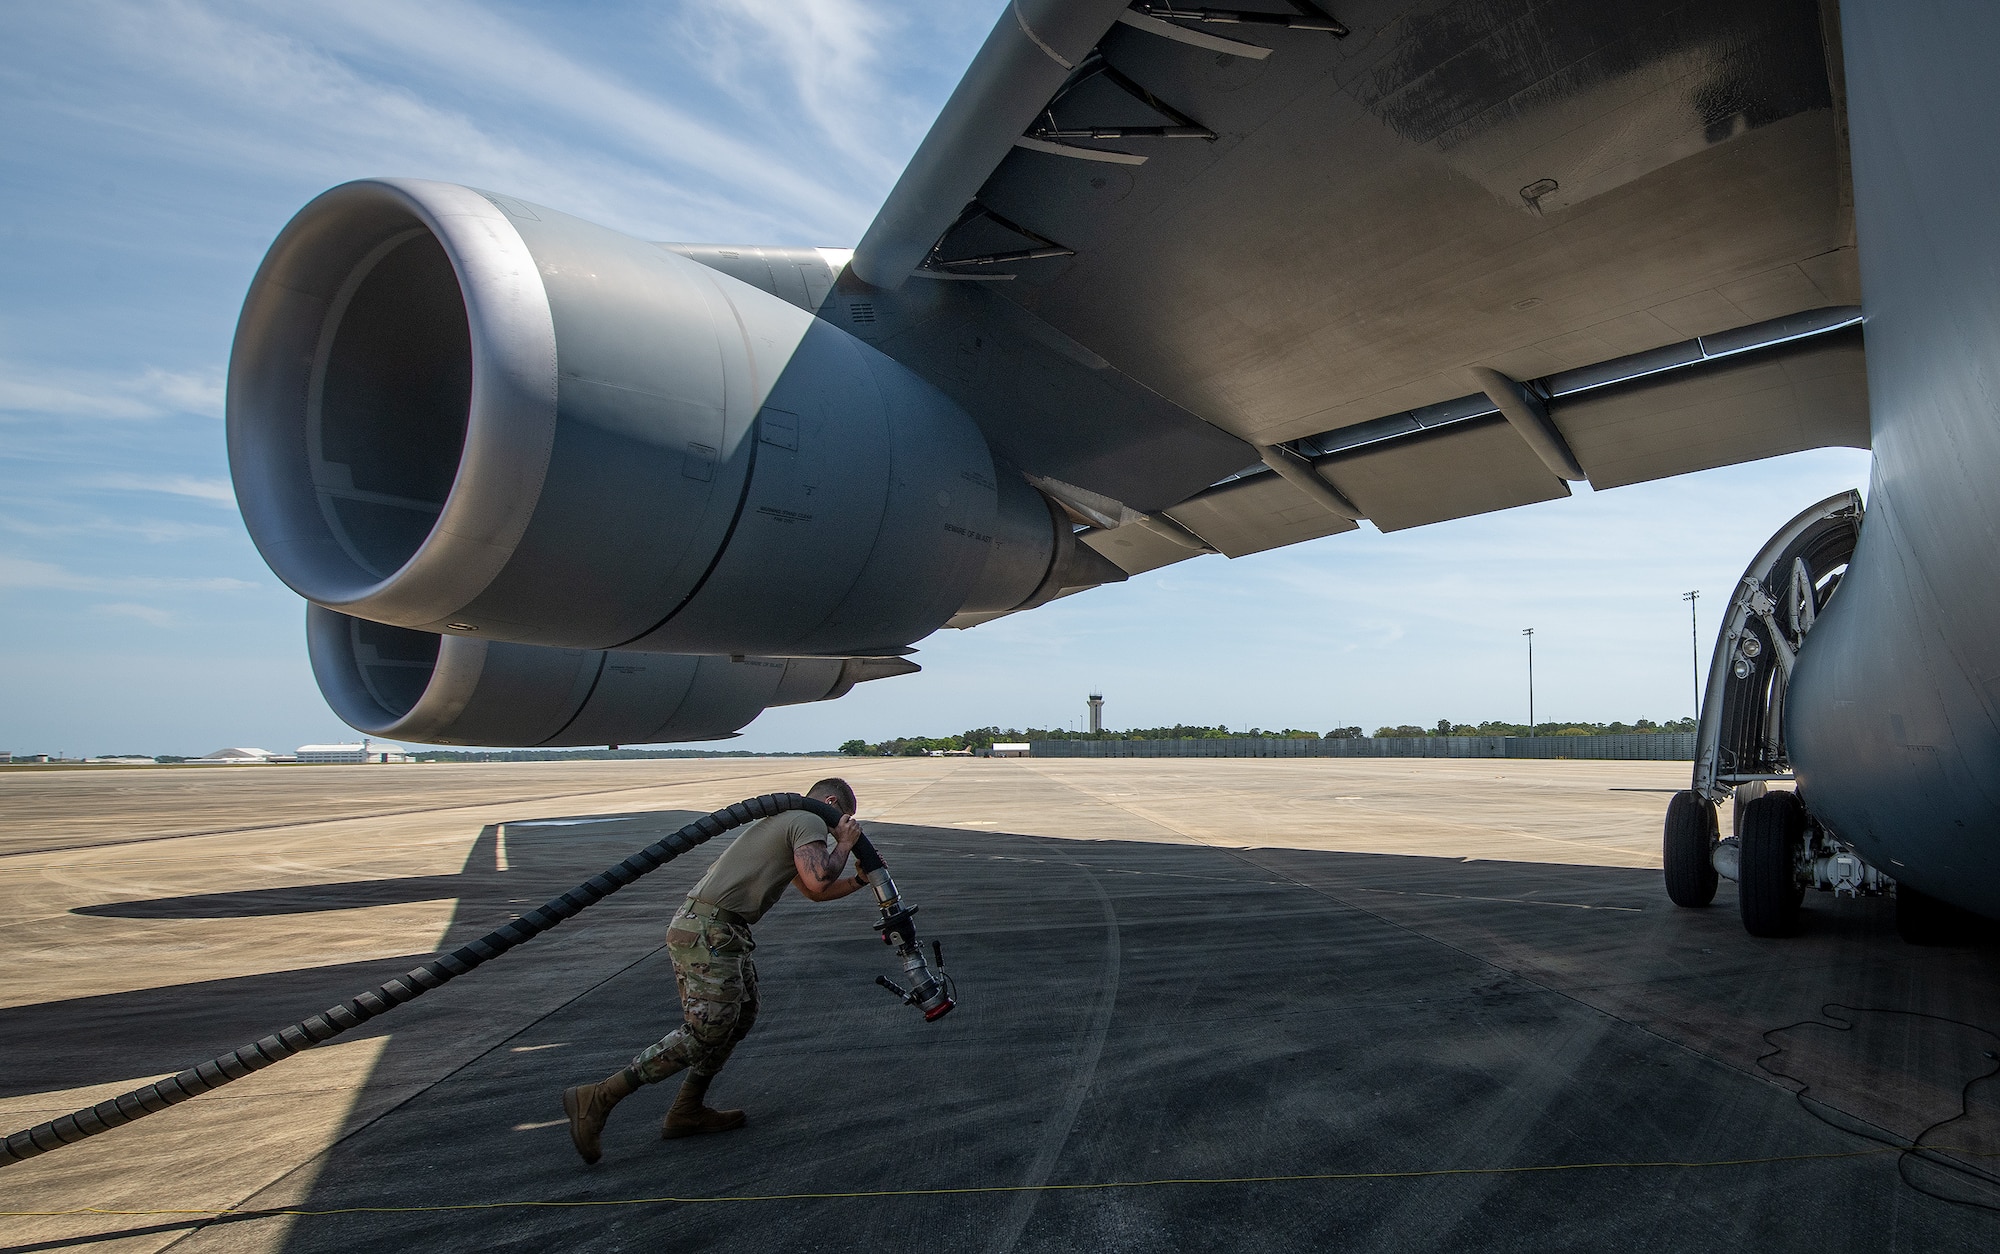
<point>718,988</point>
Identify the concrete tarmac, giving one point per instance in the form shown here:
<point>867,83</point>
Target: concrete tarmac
<point>1205,1004</point>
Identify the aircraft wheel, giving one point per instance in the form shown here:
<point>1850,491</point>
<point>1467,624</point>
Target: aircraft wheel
<point>1922,919</point>
<point>1688,849</point>
<point>1767,878</point>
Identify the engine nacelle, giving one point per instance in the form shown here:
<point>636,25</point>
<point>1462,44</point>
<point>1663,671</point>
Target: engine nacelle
<point>461,690</point>
<point>458,413</point>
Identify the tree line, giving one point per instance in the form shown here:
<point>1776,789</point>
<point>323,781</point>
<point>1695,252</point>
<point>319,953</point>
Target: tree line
<point>978,738</point>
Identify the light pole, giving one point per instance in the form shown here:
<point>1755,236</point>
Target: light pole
<point>1530,634</point>
<point>1694,648</point>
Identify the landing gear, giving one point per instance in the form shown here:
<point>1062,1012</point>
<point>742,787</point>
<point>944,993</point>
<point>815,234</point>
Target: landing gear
<point>1777,850</point>
<point>1688,849</point>
<point>1769,883</point>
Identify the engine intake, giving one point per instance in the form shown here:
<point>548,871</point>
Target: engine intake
<point>457,413</point>
<point>457,690</point>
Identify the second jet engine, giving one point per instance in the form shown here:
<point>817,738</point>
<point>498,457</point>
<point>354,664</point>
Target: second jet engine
<point>456,690</point>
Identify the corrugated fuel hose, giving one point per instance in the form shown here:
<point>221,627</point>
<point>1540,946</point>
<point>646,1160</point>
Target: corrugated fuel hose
<point>323,1027</point>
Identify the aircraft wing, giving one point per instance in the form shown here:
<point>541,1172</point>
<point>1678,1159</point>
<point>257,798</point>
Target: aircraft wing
<point>1233,279</point>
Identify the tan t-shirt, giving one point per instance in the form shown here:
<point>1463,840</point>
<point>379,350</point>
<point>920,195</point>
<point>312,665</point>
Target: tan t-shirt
<point>752,873</point>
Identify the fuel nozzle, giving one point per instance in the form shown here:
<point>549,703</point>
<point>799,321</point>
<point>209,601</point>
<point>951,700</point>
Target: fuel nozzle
<point>929,990</point>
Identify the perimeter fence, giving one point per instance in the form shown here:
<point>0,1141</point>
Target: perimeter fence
<point>1657,747</point>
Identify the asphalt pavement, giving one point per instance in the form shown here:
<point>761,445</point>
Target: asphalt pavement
<point>1159,1046</point>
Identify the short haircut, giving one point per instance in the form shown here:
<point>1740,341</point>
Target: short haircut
<point>839,790</point>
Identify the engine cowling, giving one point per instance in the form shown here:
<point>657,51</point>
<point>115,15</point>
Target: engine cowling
<point>458,413</point>
<point>462,690</point>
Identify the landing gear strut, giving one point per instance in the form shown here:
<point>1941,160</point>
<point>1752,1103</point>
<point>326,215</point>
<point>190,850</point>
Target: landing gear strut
<point>1778,850</point>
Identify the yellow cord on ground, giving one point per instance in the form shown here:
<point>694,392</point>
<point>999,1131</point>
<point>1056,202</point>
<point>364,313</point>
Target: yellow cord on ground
<point>1321,1176</point>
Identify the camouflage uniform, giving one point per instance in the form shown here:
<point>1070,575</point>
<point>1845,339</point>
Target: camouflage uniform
<point>709,942</point>
<point>718,987</point>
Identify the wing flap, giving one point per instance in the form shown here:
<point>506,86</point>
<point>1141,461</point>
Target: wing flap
<point>1256,513</point>
<point>1312,248</point>
<point>1136,550</point>
<point>1813,394</point>
<point>1469,468</point>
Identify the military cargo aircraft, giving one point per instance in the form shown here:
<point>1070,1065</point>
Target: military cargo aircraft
<point>1165,281</point>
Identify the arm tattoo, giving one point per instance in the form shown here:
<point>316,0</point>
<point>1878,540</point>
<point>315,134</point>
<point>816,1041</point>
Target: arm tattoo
<point>826,869</point>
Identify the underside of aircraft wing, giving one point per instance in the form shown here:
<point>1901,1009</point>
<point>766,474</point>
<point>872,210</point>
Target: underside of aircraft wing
<point>1166,281</point>
<point>1254,274</point>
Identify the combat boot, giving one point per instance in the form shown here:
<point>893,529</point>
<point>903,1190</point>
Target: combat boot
<point>690,1118</point>
<point>589,1105</point>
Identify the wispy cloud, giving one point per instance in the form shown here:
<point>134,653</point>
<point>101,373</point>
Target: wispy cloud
<point>477,47</point>
<point>151,393</point>
<point>144,613</point>
<point>458,91</point>
<point>21,573</point>
<point>827,52</point>
<point>189,392</point>
<point>214,491</point>
<point>151,530</point>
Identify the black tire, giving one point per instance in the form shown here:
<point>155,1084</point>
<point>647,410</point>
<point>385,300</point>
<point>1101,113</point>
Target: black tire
<point>1688,849</point>
<point>1767,880</point>
<point>1922,919</point>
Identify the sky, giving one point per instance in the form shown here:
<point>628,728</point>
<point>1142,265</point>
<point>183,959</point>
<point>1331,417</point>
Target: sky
<point>152,151</point>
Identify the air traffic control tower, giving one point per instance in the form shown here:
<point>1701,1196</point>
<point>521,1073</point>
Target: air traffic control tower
<point>1097,711</point>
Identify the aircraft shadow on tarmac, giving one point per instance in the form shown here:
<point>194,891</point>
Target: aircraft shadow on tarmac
<point>185,1023</point>
<point>1134,1011</point>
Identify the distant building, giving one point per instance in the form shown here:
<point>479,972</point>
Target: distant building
<point>1096,711</point>
<point>351,755</point>
<point>239,756</point>
<point>1005,750</point>
<point>120,759</point>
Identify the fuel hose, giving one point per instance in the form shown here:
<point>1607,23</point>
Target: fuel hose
<point>323,1027</point>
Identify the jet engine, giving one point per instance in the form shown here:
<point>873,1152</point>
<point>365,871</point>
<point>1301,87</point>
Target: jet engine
<point>461,690</point>
<point>460,414</point>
